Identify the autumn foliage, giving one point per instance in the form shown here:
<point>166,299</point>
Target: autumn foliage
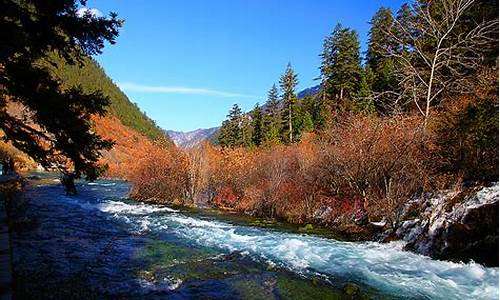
<point>161,174</point>
<point>129,147</point>
<point>364,167</point>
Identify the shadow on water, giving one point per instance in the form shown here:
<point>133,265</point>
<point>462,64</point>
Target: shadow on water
<point>76,248</point>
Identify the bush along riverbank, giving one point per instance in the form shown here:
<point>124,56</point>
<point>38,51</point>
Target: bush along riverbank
<point>448,225</point>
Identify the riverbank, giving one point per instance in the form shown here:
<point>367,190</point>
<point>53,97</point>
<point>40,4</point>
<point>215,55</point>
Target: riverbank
<point>100,244</point>
<point>455,225</point>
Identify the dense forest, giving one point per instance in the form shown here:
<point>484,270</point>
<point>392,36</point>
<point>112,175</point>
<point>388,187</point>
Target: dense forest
<point>416,113</point>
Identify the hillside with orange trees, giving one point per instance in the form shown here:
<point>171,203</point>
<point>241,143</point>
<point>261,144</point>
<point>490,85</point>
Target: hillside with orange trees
<point>130,146</point>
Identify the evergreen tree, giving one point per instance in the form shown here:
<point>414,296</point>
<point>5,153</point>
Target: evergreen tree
<point>403,17</point>
<point>341,63</point>
<point>247,131</point>
<point>320,113</point>
<point>288,82</point>
<point>364,98</point>
<point>379,55</point>
<point>271,119</point>
<point>307,122</point>
<point>224,136</point>
<point>231,133</point>
<point>256,125</point>
<point>307,111</point>
<point>378,47</point>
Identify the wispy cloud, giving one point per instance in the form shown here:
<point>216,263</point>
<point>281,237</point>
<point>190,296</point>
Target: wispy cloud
<point>133,87</point>
<point>94,12</point>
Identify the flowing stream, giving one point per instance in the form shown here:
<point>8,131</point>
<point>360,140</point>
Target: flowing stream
<point>100,244</point>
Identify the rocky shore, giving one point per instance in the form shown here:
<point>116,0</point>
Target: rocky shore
<point>452,225</point>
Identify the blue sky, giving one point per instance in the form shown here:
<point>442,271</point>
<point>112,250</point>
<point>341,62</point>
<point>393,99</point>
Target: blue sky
<point>186,62</point>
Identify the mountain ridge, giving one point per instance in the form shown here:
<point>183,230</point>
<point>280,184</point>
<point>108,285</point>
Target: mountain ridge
<point>191,138</point>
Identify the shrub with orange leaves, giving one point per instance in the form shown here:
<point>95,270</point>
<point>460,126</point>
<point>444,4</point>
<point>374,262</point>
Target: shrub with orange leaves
<point>130,146</point>
<point>365,166</point>
<point>226,198</point>
<point>229,169</point>
<point>380,161</point>
<point>22,162</point>
<point>161,176</point>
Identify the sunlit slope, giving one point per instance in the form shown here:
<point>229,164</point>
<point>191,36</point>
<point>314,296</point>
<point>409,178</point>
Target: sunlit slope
<point>91,77</point>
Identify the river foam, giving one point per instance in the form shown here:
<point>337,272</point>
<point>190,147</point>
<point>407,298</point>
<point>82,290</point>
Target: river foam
<point>386,267</point>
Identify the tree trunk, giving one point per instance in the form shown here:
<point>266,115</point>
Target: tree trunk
<point>429,91</point>
<point>68,181</point>
<point>290,129</point>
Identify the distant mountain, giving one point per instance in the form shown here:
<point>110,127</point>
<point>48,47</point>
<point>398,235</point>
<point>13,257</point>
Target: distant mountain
<point>190,139</point>
<point>309,91</point>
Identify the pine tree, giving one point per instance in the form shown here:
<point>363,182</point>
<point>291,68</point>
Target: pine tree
<point>246,126</point>
<point>320,112</point>
<point>403,18</point>
<point>307,122</point>
<point>341,63</point>
<point>223,137</point>
<point>256,125</point>
<point>307,107</point>
<point>364,98</point>
<point>271,119</point>
<point>288,82</point>
<point>231,134</point>
<point>378,47</point>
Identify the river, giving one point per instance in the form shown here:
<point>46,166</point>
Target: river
<point>100,244</point>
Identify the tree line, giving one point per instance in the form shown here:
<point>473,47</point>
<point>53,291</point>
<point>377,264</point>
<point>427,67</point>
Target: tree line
<point>282,119</point>
<point>416,58</point>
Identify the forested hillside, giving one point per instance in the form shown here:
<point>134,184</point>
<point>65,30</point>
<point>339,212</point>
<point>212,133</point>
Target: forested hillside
<point>91,77</point>
<point>130,129</point>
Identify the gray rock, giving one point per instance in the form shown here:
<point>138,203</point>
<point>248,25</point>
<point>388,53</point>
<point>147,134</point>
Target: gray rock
<point>459,226</point>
